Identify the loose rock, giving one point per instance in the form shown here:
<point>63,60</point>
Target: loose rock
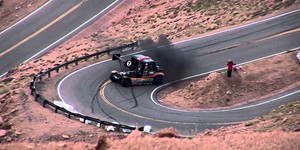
<point>1,121</point>
<point>3,133</point>
<point>228,93</point>
<point>65,136</point>
<point>62,145</point>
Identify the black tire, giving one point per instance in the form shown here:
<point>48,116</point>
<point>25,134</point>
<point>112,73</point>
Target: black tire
<point>112,79</point>
<point>126,82</point>
<point>158,80</point>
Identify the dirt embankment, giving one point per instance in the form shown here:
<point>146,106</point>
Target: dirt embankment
<point>13,10</point>
<point>26,124</point>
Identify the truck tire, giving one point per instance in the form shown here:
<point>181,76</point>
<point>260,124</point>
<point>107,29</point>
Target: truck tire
<point>158,80</point>
<point>112,78</point>
<point>126,82</point>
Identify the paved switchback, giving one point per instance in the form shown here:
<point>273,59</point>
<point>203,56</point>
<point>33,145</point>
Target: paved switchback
<point>133,105</point>
<point>50,26</point>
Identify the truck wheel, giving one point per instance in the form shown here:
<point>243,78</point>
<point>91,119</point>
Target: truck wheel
<point>158,80</point>
<point>128,63</point>
<point>126,82</point>
<point>112,78</point>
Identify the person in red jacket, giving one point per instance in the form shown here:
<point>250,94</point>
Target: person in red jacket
<point>230,65</point>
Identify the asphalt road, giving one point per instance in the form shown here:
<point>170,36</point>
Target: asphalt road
<point>90,93</point>
<point>48,27</point>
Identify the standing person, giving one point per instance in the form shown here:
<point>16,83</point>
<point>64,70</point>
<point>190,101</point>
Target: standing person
<point>230,65</point>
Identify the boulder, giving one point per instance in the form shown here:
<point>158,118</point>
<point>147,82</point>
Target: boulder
<point>1,121</point>
<point>65,136</point>
<point>3,133</point>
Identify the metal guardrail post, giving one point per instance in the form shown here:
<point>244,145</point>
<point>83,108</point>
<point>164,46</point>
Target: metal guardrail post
<point>44,103</point>
<point>56,108</point>
<point>31,88</point>
<point>57,69</point>
<point>76,63</point>
<point>49,74</point>
<point>100,125</point>
<point>118,128</point>
<point>37,96</point>
<point>84,119</point>
<point>41,77</point>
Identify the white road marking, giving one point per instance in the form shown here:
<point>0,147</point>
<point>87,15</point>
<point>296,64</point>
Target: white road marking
<point>69,75</point>
<point>71,31</point>
<point>41,29</point>
<point>59,86</point>
<point>153,119</point>
<point>68,34</point>
<point>243,26</point>
<point>224,110</point>
<point>40,8</point>
<point>250,106</point>
<point>152,93</point>
<point>3,74</point>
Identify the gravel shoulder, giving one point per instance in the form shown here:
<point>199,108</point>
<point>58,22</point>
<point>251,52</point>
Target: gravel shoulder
<point>24,123</point>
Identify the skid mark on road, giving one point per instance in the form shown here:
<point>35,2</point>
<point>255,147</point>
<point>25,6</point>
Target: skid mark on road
<point>102,89</point>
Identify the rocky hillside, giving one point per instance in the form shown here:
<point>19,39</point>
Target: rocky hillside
<point>26,124</point>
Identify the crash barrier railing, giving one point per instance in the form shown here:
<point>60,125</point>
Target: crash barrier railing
<point>45,102</point>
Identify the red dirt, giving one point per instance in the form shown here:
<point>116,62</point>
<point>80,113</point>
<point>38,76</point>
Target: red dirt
<point>26,124</point>
<point>12,11</point>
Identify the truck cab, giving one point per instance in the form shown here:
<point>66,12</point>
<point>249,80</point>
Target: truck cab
<point>140,70</point>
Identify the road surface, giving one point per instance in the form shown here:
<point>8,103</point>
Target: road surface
<point>54,23</point>
<point>91,93</point>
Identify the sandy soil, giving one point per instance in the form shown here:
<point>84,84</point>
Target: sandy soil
<point>24,123</point>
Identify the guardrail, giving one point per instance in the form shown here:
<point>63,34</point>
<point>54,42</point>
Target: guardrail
<point>45,102</point>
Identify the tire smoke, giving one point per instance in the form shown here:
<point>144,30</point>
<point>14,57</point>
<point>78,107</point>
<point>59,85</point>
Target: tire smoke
<point>176,63</point>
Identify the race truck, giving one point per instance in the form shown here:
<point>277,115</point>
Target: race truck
<point>138,70</point>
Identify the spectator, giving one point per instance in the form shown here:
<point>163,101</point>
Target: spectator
<point>230,65</point>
